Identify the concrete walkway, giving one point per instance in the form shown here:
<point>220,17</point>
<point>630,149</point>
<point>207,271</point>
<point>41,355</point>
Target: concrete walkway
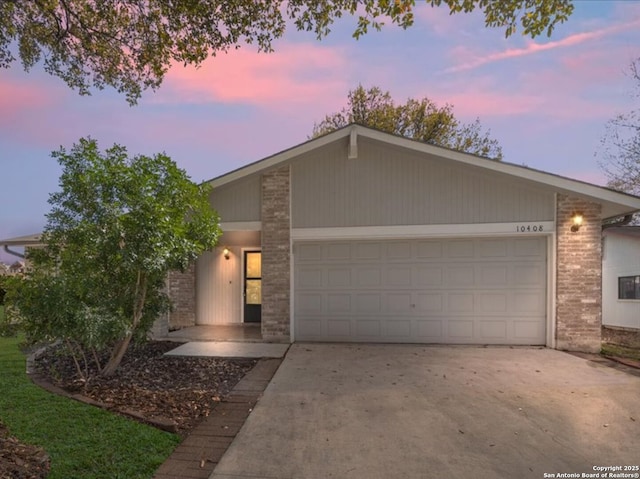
<point>408,411</point>
<point>229,349</point>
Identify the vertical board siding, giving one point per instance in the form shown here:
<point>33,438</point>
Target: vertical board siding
<point>238,200</point>
<point>219,287</point>
<point>620,258</point>
<point>387,185</point>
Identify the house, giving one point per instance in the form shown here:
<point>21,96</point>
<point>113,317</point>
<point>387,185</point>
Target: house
<point>16,267</point>
<point>621,285</point>
<point>364,236</point>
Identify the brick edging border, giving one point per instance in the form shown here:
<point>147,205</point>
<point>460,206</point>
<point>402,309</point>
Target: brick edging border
<point>197,456</point>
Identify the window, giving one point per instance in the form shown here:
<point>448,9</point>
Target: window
<point>629,287</point>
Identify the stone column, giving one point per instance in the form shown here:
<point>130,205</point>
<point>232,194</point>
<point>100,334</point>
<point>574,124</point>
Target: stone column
<point>579,276</point>
<point>276,255</point>
<point>181,288</point>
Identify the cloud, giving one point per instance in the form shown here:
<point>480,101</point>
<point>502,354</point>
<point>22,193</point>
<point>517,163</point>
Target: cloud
<point>533,47</point>
<point>17,97</point>
<point>294,74</point>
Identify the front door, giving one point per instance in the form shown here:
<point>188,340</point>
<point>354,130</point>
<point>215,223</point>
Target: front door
<point>252,286</point>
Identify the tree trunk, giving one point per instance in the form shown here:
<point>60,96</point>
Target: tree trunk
<point>116,356</point>
<point>120,348</point>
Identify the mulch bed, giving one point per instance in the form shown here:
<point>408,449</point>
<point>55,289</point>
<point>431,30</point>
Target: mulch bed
<point>171,392</point>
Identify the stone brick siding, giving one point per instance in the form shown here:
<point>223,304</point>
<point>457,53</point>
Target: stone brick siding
<point>579,276</point>
<point>276,255</point>
<point>626,337</point>
<point>181,288</point>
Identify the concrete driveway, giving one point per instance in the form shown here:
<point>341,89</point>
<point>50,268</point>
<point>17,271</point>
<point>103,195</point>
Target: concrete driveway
<point>408,411</point>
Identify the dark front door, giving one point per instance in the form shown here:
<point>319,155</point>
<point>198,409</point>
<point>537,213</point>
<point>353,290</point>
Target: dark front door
<point>252,286</point>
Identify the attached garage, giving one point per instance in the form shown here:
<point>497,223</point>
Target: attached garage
<point>453,290</point>
<point>364,236</point>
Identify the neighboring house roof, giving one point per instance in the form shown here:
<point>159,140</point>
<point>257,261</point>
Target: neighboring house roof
<point>28,240</point>
<point>18,266</point>
<point>20,241</point>
<point>614,203</point>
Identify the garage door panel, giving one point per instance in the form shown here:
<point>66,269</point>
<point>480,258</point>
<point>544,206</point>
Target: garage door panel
<point>493,302</point>
<point>309,303</point>
<point>368,328</point>
<point>530,302</point>
<point>429,302</point>
<point>398,329</point>
<point>430,330</point>
<point>398,277</point>
<point>367,251</point>
<point>476,291</point>
<point>460,249</point>
<point>460,329</point>
<point>460,276</point>
<point>339,329</point>
<point>531,247</point>
<point>493,330</point>
<point>338,277</point>
<point>494,275</point>
<point>397,250</point>
<point>338,252</point>
<point>368,277</point>
<point>528,274</point>
<point>527,330</point>
<point>310,252</point>
<point>461,303</point>
<point>493,248</point>
<point>429,276</point>
<point>311,328</point>
<point>369,303</point>
<point>398,303</point>
<point>429,249</point>
<point>338,303</point>
<point>309,278</point>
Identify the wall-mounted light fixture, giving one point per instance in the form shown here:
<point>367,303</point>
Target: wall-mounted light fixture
<point>576,221</point>
<point>226,253</point>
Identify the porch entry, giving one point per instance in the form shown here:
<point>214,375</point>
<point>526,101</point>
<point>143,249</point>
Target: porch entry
<point>252,291</point>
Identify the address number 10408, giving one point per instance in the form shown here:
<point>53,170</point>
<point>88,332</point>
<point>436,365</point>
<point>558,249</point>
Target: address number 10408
<point>530,228</point>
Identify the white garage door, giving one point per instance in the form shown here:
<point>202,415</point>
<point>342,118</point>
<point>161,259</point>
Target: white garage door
<point>455,291</point>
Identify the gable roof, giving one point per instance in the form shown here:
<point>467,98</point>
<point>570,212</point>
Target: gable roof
<point>614,203</point>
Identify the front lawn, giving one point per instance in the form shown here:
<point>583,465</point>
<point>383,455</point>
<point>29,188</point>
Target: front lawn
<point>82,441</point>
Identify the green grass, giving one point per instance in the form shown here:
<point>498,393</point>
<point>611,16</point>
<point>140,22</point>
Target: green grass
<point>82,441</point>
<point>620,351</point>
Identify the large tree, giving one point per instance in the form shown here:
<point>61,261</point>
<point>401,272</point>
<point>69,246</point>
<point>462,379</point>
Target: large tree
<point>130,44</point>
<point>620,152</point>
<point>117,226</point>
<point>420,119</point>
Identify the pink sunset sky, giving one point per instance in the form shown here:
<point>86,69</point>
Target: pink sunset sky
<point>547,101</point>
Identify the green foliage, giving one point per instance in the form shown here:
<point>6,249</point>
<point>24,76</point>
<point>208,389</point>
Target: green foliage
<point>116,228</point>
<point>130,45</point>
<point>620,151</point>
<point>535,16</point>
<point>420,119</point>
<point>9,327</point>
<point>82,441</point>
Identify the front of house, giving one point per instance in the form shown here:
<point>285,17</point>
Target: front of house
<point>363,236</point>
